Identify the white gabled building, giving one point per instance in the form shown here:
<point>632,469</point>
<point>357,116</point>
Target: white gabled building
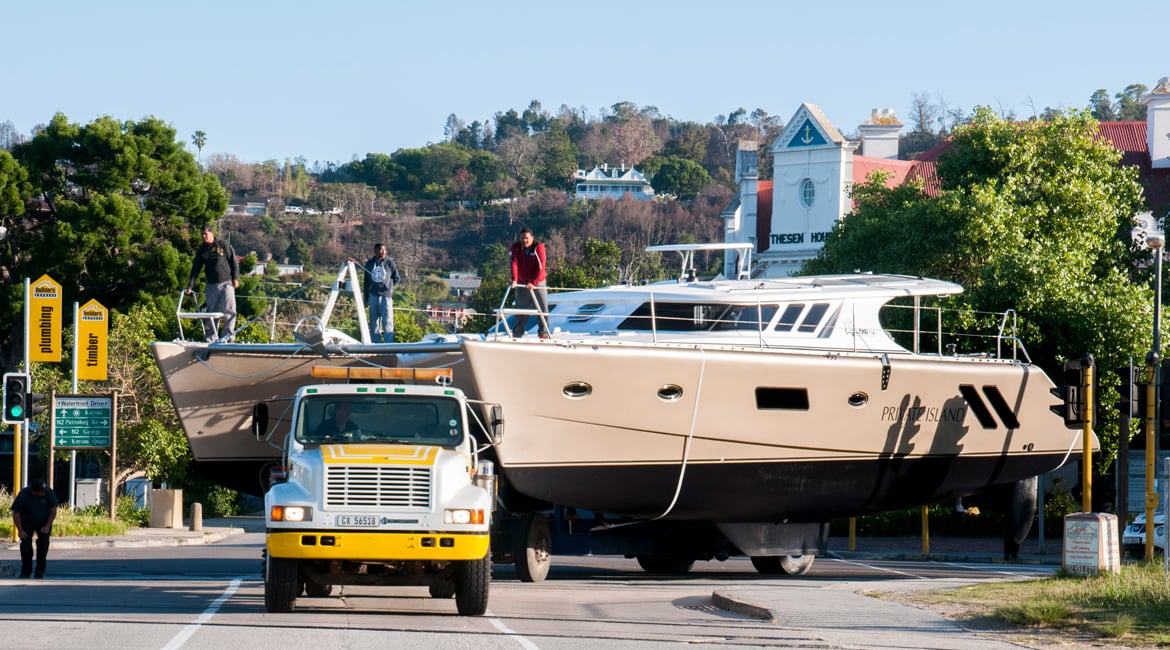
<point>605,183</point>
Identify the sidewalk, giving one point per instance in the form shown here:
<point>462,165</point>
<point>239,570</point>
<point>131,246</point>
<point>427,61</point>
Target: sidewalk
<point>213,530</point>
<point>946,549</point>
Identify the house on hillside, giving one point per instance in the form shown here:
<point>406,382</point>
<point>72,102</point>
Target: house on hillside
<point>605,183</point>
<point>815,169</point>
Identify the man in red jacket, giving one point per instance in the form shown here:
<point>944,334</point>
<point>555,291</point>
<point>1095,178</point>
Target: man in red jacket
<point>528,279</point>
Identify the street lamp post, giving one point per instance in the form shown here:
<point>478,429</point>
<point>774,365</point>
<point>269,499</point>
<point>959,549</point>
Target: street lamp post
<point>1156,240</point>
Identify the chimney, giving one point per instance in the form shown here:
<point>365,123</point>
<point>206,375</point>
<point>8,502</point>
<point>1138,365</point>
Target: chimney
<point>879,134</point>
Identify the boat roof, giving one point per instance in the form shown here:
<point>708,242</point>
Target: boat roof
<point>853,286</point>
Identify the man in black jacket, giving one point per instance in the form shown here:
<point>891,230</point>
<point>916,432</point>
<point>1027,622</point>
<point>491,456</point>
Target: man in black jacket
<point>33,512</point>
<point>217,260</point>
<point>378,287</point>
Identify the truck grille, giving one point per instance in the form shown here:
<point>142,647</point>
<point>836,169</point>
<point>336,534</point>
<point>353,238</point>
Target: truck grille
<point>387,487</point>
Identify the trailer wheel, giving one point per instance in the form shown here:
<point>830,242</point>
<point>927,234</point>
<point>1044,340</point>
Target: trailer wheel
<point>671,565</point>
<point>280,584</point>
<point>317,589</point>
<point>444,589</point>
<point>790,565</point>
<point>533,553</point>
<point>473,580</point>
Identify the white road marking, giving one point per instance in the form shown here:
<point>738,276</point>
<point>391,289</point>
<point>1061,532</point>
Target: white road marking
<point>181,638</point>
<point>499,625</point>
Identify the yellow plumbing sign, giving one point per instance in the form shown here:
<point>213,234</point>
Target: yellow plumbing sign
<point>44,314</point>
<point>92,341</point>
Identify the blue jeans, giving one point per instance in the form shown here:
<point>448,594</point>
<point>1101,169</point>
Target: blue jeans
<point>381,319</point>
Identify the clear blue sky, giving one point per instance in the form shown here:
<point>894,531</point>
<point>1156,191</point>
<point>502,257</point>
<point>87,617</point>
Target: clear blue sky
<point>333,80</point>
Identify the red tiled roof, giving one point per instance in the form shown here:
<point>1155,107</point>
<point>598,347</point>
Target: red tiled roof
<point>863,166</point>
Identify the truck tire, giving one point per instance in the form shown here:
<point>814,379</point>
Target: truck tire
<point>473,580</point>
<point>671,565</point>
<point>444,589</point>
<point>533,553</point>
<point>316,589</point>
<point>789,565</point>
<point>280,584</point>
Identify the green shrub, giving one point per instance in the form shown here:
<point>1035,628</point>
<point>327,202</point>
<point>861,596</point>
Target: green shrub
<point>217,500</point>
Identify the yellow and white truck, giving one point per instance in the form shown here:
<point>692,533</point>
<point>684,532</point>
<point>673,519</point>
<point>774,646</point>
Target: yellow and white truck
<point>382,485</point>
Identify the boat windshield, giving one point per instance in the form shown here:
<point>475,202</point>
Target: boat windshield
<point>385,419</point>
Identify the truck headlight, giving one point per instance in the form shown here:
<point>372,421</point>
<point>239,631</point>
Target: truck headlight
<point>463,516</point>
<point>291,513</point>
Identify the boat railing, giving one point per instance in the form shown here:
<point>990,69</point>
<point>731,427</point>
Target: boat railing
<point>283,314</point>
<point>929,329</point>
<point>504,311</point>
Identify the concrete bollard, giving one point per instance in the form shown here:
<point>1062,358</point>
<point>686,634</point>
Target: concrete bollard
<point>196,517</point>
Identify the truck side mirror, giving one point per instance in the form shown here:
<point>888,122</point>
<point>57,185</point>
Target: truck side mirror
<point>496,423</point>
<point>259,420</point>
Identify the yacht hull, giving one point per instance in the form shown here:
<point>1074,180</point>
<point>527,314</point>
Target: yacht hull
<point>751,434</point>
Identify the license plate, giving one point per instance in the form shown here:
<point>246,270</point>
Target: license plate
<point>357,520</point>
<point>1131,540</point>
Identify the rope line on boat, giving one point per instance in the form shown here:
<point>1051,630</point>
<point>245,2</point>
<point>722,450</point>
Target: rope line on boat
<point>682,470</point>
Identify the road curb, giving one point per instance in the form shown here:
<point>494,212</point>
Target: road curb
<point>143,538</point>
<point>729,602</point>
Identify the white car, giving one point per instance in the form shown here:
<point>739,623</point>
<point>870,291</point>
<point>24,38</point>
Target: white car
<point>1133,539</point>
<point>293,209</point>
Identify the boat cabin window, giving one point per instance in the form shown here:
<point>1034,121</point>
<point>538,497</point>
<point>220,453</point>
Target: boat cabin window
<point>673,317</point>
<point>813,317</point>
<point>789,317</point>
<point>773,398</point>
<point>746,317</point>
<point>384,419</point>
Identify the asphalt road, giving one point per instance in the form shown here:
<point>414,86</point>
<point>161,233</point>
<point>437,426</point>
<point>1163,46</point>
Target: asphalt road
<point>211,596</point>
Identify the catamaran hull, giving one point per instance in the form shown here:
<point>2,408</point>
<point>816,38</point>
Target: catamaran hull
<point>215,386</point>
<point>746,434</point>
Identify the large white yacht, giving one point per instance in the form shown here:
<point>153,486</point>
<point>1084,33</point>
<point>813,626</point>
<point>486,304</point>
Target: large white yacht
<point>745,400</point>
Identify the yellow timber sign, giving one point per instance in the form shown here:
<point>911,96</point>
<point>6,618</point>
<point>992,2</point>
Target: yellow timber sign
<point>92,341</point>
<point>44,314</point>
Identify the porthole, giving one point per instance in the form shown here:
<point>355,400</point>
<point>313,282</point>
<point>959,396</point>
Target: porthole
<point>670,392</point>
<point>577,390</point>
<point>858,399</point>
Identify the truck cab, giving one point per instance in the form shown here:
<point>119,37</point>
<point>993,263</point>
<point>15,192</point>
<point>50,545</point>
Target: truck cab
<point>381,485</point>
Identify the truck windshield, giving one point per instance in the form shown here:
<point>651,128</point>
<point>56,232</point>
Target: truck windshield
<point>407,419</point>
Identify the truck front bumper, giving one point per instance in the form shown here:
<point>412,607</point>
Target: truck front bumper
<point>349,545</point>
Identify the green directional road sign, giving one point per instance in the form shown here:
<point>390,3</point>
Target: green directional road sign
<point>81,421</point>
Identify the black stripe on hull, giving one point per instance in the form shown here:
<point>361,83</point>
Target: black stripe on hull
<point>761,492</point>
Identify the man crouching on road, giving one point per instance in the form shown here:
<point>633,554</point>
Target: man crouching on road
<point>33,512</point>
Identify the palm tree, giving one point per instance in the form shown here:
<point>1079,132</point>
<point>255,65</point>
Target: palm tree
<point>199,139</point>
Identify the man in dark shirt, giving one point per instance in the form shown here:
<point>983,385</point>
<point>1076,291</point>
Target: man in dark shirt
<point>217,260</point>
<point>378,287</point>
<point>33,512</point>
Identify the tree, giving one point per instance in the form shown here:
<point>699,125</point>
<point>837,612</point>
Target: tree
<point>558,157</point>
<point>681,177</point>
<point>1129,103</point>
<point>1032,216</point>
<point>199,138</point>
<point>120,202</point>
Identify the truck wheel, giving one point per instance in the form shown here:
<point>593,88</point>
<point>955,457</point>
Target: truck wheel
<point>533,552</point>
<point>281,584</point>
<point>444,589</point>
<point>473,579</point>
<point>791,565</point>
<point>665,564</point>
<point>317,589</point>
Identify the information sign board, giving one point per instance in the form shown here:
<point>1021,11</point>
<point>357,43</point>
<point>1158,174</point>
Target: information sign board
<point>82,421</point>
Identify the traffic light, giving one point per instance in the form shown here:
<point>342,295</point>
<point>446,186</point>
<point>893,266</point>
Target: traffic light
<point>1131,393</point>
<point>16,385</point>
<point>32,404</point>
<point>1071,394</point>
